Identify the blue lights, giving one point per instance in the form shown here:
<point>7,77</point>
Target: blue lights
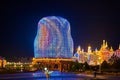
<point>53,38</point>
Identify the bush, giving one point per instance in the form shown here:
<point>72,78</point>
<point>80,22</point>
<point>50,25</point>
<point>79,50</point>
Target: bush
<point>105,65</point>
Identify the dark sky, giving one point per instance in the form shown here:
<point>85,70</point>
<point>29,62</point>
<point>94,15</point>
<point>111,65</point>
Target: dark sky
<point>91,22</point>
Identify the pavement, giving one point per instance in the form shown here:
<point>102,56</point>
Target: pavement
<point>56,75</point>
<point>102,77</point>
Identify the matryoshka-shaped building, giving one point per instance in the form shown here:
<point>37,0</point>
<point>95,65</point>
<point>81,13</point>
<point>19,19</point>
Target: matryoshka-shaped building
<point>53,38</point>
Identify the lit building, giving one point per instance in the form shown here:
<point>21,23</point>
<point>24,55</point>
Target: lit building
<point>105,52</point>
<point>95,57</point>
<point>53,39</point>
<point>117,52</point>
<point>2,62</point>
<point>53,44</point>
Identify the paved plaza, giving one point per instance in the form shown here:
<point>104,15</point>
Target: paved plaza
<point>56,75</point>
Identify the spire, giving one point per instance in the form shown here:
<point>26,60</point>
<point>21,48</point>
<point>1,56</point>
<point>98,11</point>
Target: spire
<point>82,50</point>
<point>96,50</point>
<point>106,45</point>
<point>103,42</point>
<point>111,49</point>
<point>89,49</point>
<point>78,49</point>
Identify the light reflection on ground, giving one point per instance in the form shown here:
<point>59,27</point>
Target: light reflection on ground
<point>56,75</point>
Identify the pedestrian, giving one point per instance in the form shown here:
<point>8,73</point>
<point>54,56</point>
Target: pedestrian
<point>95,73</point>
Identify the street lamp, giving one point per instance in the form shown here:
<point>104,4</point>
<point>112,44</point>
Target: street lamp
<point>45,68</point>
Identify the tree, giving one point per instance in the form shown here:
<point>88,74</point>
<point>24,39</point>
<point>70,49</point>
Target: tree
<point>73,68</point>
<point>113,59</point>
<point>86,66</point>
<point>76,66</point>
<point>105,65</point>
<point>114,62</point>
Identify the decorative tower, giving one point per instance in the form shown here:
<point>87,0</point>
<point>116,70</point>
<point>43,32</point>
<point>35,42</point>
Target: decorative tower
<point>104,45</point>
<point>89,49</point>
<point>79,49</point>
<point>111,49</point>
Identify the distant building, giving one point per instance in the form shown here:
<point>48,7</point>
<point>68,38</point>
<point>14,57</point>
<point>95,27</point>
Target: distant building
<point>21,63</point>
<point>53,45</point>
<point>95,57</point>
<point>105,52</point>
<point>117,52</point>
<point>53,38</point>
<point>2,62</point>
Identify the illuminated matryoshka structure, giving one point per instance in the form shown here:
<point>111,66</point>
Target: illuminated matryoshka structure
<point>53,38</point>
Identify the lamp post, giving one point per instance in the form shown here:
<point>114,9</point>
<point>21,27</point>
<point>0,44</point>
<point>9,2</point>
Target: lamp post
<point>46,72</point>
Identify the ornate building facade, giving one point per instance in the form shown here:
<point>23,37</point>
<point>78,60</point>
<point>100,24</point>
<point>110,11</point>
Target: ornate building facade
<point>96,57</point>
<point>53,38</point>
<point>53,44</point>
<point>2,62</point>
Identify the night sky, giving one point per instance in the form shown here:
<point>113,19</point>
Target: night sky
<point>91,22</point>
